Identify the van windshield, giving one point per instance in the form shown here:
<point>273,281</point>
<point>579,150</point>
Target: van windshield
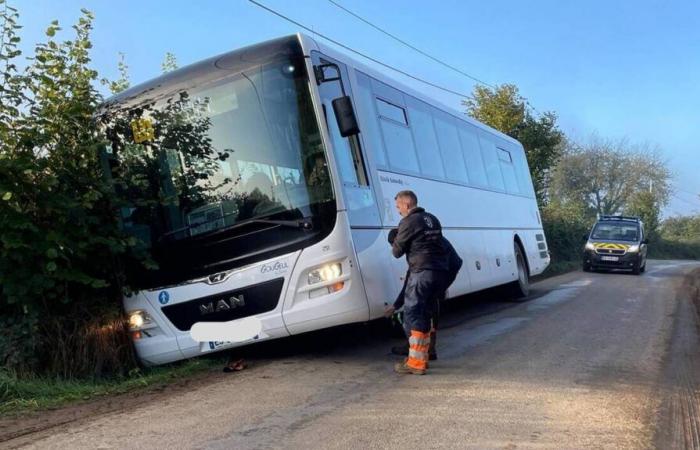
<point>616,232</point>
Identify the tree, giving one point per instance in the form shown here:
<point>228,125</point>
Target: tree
<point>58,233</point>
<point>681,228</point>
<point>502,108</point>
<point>169,63</point>
<point>506,110</point>
<point>605,175</point>
<point>122,83</point>
<point>646,206</point>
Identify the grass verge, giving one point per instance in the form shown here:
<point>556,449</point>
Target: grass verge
<point>21,395</point>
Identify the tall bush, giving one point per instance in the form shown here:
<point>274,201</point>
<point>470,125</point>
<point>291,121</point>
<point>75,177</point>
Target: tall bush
<point>58,234</point>
<point>565,225</point>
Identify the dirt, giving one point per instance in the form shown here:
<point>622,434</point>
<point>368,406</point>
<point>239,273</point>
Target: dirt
<point>678,420</point>
<point>39,423</point>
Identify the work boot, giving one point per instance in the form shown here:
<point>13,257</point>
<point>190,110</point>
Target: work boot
<point>403,369</point>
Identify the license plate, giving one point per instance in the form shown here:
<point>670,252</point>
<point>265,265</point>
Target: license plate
<point>609,258</point>
<point>213,345</point>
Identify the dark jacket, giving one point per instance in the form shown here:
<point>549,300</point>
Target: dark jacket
<point>454,263</point>
<point>419,237</point>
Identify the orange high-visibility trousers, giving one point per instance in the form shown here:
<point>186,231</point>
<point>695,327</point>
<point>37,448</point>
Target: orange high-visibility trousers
<point>418,345</point>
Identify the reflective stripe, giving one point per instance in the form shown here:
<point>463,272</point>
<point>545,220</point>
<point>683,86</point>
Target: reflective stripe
<point>419,344</point>
<point>419,341</point>
<point>415,363</point>
<point>419,356</point>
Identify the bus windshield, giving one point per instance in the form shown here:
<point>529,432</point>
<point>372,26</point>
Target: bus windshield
<point>202,161</point>
<point>615,232</point>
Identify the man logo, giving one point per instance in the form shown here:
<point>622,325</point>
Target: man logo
<point>224,304</point>
<point>217,278</point>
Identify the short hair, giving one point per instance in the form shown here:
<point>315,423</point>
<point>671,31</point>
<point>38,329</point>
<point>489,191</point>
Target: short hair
<point>412,199</point>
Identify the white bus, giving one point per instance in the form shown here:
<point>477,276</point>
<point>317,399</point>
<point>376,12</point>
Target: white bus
<point>254,206</point>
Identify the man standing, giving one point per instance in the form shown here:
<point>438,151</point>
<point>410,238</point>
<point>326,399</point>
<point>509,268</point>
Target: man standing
<point>454,263</point>
<point>419,237</point>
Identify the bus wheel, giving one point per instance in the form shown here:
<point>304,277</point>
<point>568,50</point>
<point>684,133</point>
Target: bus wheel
<point>520,288</point>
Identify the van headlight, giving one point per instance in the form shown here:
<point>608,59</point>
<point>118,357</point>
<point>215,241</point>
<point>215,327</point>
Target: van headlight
<point>326,272</point>
<point>590,246</point>
<point>633,248</point>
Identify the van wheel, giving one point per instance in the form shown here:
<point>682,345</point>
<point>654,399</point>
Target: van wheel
<point>520,288</point>
<point>636,269</point>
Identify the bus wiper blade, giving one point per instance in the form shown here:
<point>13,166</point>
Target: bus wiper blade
<point>189,227</point>
<point>304,224</point>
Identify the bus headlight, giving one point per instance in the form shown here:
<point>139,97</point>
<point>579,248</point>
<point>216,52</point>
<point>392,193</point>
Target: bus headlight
<point>633,248</point>
<point>590,246</point>
<point>138,319</point>
<point>327,272</point>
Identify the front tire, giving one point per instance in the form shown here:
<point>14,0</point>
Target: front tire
<point>520,288</point>
<point>636,269</point>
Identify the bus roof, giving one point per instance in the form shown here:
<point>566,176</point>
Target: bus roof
<point>308,42</point>
<point>241,59</point>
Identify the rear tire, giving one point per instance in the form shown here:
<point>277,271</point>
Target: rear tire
<point>520,288</point>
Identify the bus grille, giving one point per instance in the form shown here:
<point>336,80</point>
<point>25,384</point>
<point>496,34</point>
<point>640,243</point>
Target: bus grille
<point>226,306</point>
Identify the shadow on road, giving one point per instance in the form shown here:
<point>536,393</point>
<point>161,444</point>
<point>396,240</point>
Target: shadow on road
<point>380,332</point>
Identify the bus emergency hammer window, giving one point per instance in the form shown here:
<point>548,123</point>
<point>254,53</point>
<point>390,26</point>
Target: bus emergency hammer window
<point>342,106</point>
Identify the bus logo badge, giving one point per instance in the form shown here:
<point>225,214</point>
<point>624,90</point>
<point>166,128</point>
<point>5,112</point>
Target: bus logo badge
<point>223,304</point>
<point>217,278</point>
<point>163,297</point>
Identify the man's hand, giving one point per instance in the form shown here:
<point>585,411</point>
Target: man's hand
<point>389,311</point>
<point>392,235</point>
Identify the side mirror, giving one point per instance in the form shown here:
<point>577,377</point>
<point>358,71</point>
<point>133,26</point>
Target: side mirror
<point>345,116</point>
<point>584,238</point>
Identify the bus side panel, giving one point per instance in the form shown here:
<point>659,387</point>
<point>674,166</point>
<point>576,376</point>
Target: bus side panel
<point>499,245</point>
<point>462,241</point>
<point>307,307</point>
<point>537,259</point>
<point>382,274</point>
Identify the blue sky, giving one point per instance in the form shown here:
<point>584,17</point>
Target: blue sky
<point>618,68</point>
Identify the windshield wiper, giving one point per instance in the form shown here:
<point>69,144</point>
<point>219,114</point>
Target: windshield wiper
<point>303,224</point>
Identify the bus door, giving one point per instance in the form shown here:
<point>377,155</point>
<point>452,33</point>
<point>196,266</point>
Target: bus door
<point>373,251</point>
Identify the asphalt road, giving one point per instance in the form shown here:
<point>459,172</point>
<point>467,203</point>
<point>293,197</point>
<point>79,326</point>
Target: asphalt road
<point>603,360</point>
